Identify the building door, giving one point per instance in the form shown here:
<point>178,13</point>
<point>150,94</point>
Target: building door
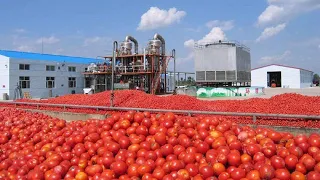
<point>274,78</point>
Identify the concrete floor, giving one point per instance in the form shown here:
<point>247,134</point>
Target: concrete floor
<point>269,92</point>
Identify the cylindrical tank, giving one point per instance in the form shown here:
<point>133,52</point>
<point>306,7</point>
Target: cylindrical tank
<point>125,48</point>
<point>154,46</point>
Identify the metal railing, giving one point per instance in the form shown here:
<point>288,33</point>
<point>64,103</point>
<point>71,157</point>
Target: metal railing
<point>186,112</point>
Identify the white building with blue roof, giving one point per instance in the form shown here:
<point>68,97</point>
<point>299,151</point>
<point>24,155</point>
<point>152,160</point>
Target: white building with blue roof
<point>41,75</point>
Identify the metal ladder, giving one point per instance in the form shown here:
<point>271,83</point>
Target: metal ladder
<point>156,80</point>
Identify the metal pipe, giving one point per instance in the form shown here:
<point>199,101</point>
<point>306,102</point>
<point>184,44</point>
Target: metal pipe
<point>144,58</point>
<point>174,69</point>
<point>163,43</point>
<point>167,110</point>
<point>115,49</point>
<point>130,38</point>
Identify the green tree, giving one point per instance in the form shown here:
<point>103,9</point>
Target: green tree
<point>316,79</point>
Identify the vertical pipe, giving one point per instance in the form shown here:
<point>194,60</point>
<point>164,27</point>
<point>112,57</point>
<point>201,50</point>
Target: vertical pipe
<point>144,58</point>
<point>174,68</point>
<point>115,49</point>
<point>165,79</point>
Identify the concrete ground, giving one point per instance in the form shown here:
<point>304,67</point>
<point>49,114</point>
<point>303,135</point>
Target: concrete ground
<point>269,92</point>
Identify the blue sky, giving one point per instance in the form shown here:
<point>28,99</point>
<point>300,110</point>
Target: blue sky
<point>277,31</point>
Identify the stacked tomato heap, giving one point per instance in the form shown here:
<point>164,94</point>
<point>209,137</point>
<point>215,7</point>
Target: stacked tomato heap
<point>280,104</point>
<point>148,146</point>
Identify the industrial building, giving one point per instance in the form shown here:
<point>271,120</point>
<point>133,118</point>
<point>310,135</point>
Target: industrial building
<point>222,63</point>
<point>275,75</point>
<point>38,75</point>
<point>35,75</point>
<point>133,70</point>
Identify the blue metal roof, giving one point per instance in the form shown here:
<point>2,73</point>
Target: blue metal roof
<point>47,57</point>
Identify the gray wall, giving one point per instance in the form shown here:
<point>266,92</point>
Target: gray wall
<point>222,63</point>
<point>244,63</point>
<point>215,58</point>
<point>4,75</point>
<point>38,74</point>
<point>306,78</point>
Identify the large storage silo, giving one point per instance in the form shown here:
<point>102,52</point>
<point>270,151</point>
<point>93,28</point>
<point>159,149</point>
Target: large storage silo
<point>222,64</point>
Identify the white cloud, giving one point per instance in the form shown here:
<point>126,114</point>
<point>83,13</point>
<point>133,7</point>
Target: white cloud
<point>48,40</point>
<point>275,59</point>
<point>271,31</point>
<point>20,30</point>
<point>214,35</point>
<point>280,11</point>
<point>95,40</point>
<point>189,43</point>
<point>224,25</point>
<point>25,48</point>
<point>156,18</point>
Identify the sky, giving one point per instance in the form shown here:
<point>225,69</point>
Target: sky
<point>277,31</point>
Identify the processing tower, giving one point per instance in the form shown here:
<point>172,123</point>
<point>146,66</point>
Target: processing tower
<point>222,63</point>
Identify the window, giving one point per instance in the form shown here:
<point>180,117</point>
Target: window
<point>72,82</point>
<point>50,68</point>
<point>24,66</point>
<point>50,82</point>
<point>87,82</point>
<point>72,69</point>
<point>24,82</point>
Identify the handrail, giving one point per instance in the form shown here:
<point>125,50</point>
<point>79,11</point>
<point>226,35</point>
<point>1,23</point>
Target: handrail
<point>254,115</point>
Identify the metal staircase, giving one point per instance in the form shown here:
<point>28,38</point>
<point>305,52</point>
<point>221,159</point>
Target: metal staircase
<point>156,80</point>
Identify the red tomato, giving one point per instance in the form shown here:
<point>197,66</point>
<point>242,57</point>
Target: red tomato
<point>297,176</point>
<point>119,167</point>
<point>234,159</point>
<point>81,176</point>
<point>206,171</point>
<point>312,175</point>
<point>282,174</point>
<point>253,175</point>
<point>160,138</point>
<point>267,171</point>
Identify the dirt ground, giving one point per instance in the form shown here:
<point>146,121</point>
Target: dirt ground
<point>269,92</point>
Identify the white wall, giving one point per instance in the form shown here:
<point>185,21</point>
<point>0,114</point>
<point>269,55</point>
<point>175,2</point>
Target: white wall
<point>4,75</point>
<point>38,74</point>
<point>289,76</point>
<point>306,78</point>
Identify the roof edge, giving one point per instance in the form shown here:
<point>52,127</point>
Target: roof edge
<point>46,54</point>
<point>281,66</point>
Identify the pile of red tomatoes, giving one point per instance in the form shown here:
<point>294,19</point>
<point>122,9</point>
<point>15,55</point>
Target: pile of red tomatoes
<point>136,145</point>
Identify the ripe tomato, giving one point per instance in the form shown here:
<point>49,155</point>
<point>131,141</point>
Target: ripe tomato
<point>267,171</point>
<point>282,174</point>
<point>81,176</point>
<point>160,138</point>
<point>297,176</point>
<point>238,174</point>
<point>119,167</point>
<point>312,175</point>
<point>277,162</point>
<point>234,159</point>
<point>218,168</point>
<point>291,161</point>
<point>206,171</point>
<point>253,175</point>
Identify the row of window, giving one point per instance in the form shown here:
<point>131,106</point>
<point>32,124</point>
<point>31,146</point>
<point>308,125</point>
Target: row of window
<point>48,67</point>
<point>24,82</point>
